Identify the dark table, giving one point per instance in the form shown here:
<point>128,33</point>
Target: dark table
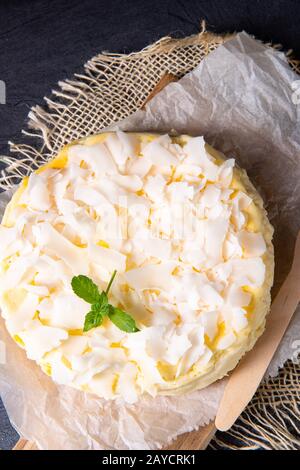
<point>43,41</point>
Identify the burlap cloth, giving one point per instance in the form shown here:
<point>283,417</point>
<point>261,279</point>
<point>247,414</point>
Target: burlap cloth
<point>112,87</point>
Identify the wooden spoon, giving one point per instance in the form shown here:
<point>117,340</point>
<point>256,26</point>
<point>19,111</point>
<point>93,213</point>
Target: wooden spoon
<point>246,377</point>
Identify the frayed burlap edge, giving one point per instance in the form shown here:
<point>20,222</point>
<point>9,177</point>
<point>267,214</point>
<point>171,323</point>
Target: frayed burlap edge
<point>112,87</point>
<point>272,419</point>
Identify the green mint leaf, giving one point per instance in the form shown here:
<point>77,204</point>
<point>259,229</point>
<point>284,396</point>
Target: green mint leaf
<point>92,319</point>
<point>85,288</point>
<point>122,320</point>
<point>101,303</point>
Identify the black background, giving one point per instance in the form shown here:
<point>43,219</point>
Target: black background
<point>43,41</point>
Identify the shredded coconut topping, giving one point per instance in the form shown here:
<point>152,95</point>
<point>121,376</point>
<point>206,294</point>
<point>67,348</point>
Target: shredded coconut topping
<point>166,214</point>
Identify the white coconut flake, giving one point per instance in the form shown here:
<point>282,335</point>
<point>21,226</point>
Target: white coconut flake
<point>55,244</point>
<point>40,339</point>
<point>253,243</point>
<point>152,276</point>
<point>159,155</point>
<point>96,156</point>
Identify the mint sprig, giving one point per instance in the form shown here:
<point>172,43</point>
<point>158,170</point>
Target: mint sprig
<point>87,290</point>
<point>122,320</point>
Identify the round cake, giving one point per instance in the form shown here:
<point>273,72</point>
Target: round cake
<point>136,263</point>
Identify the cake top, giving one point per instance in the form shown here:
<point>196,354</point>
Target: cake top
<point>172,217</point>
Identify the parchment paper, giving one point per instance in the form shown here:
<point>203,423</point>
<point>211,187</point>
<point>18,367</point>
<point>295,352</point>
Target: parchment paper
<point>240,99</point>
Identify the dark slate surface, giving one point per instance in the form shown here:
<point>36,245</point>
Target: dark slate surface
<point>43,41</point>
<point>8,435</point>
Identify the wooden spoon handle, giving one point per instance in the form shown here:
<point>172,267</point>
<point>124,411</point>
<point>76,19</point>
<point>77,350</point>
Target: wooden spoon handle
<point>165,80</point>
<point>247,376</point>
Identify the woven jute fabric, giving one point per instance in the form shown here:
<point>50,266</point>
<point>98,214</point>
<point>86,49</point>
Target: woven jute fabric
<point>112,87</point>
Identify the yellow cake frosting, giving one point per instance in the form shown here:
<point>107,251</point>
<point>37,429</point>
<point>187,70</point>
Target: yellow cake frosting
<point>190,240</point>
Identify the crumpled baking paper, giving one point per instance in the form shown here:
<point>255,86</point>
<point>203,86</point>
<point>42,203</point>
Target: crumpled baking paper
<point>240,98</point>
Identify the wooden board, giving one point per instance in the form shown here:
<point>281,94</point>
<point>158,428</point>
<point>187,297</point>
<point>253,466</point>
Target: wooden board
<point>22,444</point>
<point>196,440</point>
